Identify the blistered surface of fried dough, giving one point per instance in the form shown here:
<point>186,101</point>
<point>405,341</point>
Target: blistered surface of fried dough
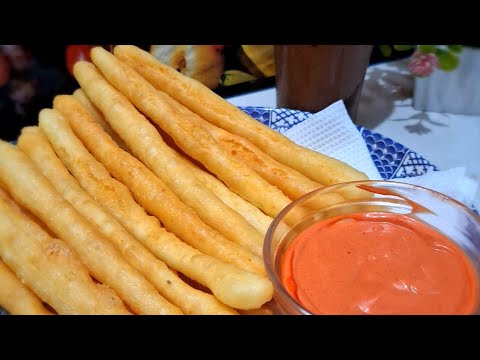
<point>189,300</point>
<point>213,108</point>
<point>104,261</point>
<point>251,213</point>
<point>186,128</point>
<point>158,200</point>
<point>51,269</point>
<point>231,285</point>
<point>148,146</point>
<point>17,298</point>
<point>291,182</point>
<point>98,116</point>
<point>11,202</point>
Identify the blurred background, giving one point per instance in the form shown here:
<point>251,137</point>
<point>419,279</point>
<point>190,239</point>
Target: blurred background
<point>31,75</point>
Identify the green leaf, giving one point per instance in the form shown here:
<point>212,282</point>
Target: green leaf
<point>427,49</point>
<point>386,50</point>
<point>448,60</point>
<point>455,48</point>
<point>403,47</point>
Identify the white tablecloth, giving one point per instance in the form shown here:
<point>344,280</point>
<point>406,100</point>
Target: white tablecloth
<point>446,140</point>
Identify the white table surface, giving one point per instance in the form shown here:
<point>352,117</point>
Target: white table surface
<point>446,140</point>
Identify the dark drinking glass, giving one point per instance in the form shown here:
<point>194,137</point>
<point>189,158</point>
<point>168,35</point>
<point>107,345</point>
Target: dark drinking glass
<point>312,77</point>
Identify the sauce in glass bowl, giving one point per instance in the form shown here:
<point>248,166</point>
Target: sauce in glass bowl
<point>374,247</point>
<point>378,263</point>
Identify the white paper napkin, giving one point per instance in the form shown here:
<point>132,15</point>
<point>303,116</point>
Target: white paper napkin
<point>332,132</point>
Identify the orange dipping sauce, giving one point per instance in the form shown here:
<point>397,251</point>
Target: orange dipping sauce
<point>378,263</point>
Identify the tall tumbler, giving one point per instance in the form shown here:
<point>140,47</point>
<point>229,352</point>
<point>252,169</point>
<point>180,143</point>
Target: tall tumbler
<point>312,77</point>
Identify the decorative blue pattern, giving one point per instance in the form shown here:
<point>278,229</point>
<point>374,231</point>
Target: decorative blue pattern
<point>261,114</point>
<point>392,159</point>
<point>284,119</point>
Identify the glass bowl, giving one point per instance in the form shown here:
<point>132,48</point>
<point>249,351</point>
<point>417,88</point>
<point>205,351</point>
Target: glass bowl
<point>439,212</point>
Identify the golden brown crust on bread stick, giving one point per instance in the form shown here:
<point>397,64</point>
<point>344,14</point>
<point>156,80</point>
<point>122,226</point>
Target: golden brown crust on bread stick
<point>213,108</point>
<point>50,268</point>
<point>98,116</point>
<point>251,213</point>
<point>104,261</point>
<point>6,197</point>
<point>148,146</point>
<point>191,301</point>
<point>186,128</point>
<point>231,285</point>
<point>16,297</point>
<point>159,200</point>
<point>291,182</point>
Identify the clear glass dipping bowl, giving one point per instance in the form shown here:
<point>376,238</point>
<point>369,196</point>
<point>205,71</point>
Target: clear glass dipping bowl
<point>436,210</point>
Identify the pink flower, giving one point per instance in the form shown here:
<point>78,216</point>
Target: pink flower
<point>423,64</point>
